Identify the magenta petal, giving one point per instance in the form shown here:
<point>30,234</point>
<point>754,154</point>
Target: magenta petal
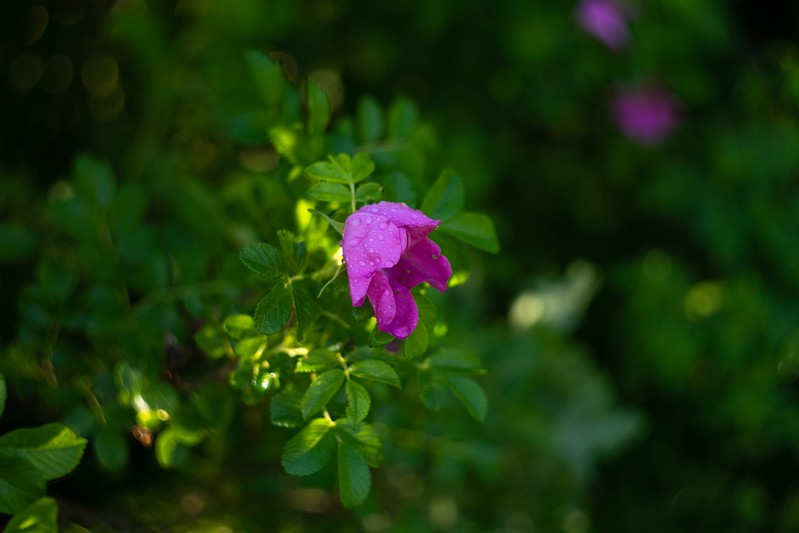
<point>381,296</point>
<point>370,242</point>
<point>407,315</point>
<point>423,262</point>
<point>416,222</point>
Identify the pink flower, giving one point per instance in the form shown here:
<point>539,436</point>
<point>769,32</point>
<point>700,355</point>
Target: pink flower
<point>387,253</point>
<point>606,20</point>
<point>646,115</point>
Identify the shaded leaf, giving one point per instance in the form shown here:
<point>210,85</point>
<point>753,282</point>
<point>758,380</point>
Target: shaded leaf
<point>211,340</point>
<point>111,449</point>
<point>95,180</point>
<point>450,360</point>
<point>416,344</point>
<point>267,77</point>
<point>20,483</point>
<point>273,311</point>
<point>445,197</point>
<point>398,188</point>
<point>3,394</point>
<point>354,478</point>
<point>321,391</point>
<point>252,128</point>
<point>285,410</point>
<point>318,360</point>
<point>310,449</point>
<point>319,108</point>
<point>473,228</point>
<point>358,402</point>
<point>304,292</point>
<point>370,122</point>
<point>376,371</point>
<point>402,118</point>
<point>169,452</point>
<point>470,394</point>
<point>263,259</point>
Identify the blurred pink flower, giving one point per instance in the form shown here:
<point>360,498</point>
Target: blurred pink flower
<point>387,253</point>
<point>645,114</point>
<point>606,20</point>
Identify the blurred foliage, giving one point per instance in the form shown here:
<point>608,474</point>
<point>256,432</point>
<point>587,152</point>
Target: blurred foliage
<point>137,161</point>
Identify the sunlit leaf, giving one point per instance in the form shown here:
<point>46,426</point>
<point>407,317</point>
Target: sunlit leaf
<point>368,192</point>
<point>310,449</point>
<point>53,449</point>
<point>285,408</point>
<point>318,360</point>
<point>39,517</point>
<point>363,438</point>
<point>362,167</point>
<point>325,171</point>
<point>329,192</point>
<point>211,340</point>
<point>239,326</point>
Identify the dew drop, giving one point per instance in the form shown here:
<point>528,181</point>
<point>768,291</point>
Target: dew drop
<point>362,263</point>
<point>371,250</point>
<point>368,220</point>
<point>414,216</point>
<point>372,263</point>
<point>355,241</point>
<point>384,225</point>
<point>435,257</point>
<point>388,292</point>
<point>380,237</point>
<point>388,263</point>
<point>356,223</point>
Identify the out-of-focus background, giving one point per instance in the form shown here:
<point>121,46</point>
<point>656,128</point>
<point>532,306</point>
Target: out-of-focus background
<point>640,325</point>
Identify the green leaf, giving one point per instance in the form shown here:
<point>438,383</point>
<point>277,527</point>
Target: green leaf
<point>53,449</point>
<point>370,120</point>
<point>239,326</point>
<point>473,228</point>
<point>470,394</point>
<point>263,259</point>
<point>266,76</point>
<point>368,192</point>
<point>416,344</point>
<point>95,180</point>
<point>363,438</point>
<point>324,171</point>
<point>376,371</point>
<point>211,340</point>
<point>3,394</point>
<point>39,517</point>
<point>400,189</point>
<point>252,128</point>
<point>329,192</point>
<point>402,118</point>
<point>319,108</point>
<point>379,338</point>
<point>354,479</point>
<point>321,391</point>
<point>433,392</point>
<point>20,483</point>
<point>362,167</point>
<point>247,349</point>
<point>318,360</point>
<point>310,449</point>
<point>273,311</point>
<point>304,292</point>
<point>427,310</point>
<point>450,360</point>
<point>358,402</point>
<point>169,452</point>
<point>285,408</point>
<point>111,449</point>
<point>445,197</point>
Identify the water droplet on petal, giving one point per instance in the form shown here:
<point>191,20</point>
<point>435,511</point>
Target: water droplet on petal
<point>362,263</point>
<point>380,237</point>
<point>372,263</point>
<point>388,263</point>
<point>384,225</point>
<point>371,250</point>
<point>355,241</point>
<point>435,257</point>
<point>368,220</point>
<point>388,292</point>
<point>356,222</point>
